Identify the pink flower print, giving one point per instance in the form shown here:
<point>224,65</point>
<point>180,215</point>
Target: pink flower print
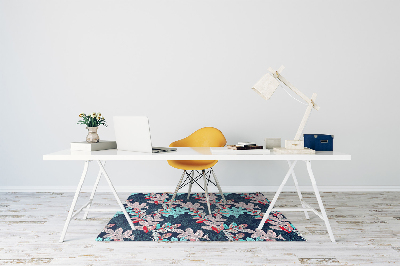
<point>117,235</point>
<point>278,222</point>
<point>269,236</point>
<point>160,198</point>
<point>141,216</point>
<point>190,235</point>
<point>149,222</point>
<point>234,228</point>
<point>212,198</point>
<point>136,206</point>
<point>256,198</point>
<point>157,198</point>
<point>238,236</point>
<point>199,196</point>
<point>164,236</point>
<point>192,207</point>
<point>168,228</point>
<point>287,228</point>
<point>248,206</point>
<point>214,223</point>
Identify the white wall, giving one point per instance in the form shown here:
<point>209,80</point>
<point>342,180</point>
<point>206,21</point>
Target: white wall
<point>190,64</point>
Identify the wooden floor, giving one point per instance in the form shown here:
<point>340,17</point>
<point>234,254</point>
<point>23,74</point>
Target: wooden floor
<point>366,226</point>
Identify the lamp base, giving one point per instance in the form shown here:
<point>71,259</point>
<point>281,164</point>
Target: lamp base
<point>293,151</point>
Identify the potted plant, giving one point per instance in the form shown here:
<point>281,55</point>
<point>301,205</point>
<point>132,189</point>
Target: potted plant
<point>92,123</point>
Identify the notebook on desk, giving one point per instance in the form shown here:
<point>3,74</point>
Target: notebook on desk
<point>133,134</point>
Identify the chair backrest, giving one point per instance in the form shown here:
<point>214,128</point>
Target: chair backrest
<point>204,137</point>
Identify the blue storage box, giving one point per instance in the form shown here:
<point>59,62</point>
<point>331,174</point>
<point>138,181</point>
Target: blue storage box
<point>318,142</point>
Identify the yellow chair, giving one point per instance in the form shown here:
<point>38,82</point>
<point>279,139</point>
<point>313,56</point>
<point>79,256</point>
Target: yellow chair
<point>204,137</point>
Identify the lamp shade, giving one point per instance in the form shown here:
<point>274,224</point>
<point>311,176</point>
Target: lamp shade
<point>266,86</point>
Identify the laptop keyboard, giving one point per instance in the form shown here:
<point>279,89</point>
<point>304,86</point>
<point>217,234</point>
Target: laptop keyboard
<point>162,149</point>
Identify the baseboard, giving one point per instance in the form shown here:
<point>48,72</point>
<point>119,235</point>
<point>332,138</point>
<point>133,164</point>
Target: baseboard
<point>133,189</point>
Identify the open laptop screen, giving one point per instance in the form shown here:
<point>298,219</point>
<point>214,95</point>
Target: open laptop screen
<point>132,133</point>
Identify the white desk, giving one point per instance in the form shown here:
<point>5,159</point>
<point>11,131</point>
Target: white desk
<point>194,154</point>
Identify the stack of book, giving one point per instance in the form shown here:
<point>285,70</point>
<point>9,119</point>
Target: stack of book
<point>240,148</point>
<point>98,146</point>
<point>245,146</point>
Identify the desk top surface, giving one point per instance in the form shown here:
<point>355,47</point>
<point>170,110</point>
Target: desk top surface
<point>192,153</point>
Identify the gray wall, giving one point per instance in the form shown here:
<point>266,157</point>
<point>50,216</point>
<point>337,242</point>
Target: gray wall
<point>190,64</point>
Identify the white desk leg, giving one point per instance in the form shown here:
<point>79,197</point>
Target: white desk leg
<point>116,195</point>
<point>298,191</point>
<point>71,210</point>
<point>93,192</point>
<point>321,206</point>
<point>266,215</point>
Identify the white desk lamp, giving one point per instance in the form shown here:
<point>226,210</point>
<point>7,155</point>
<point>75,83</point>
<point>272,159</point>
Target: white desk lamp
<point>266,86</point>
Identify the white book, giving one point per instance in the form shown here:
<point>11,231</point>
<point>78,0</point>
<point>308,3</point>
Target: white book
<point>86,146</point>
<point>226,151</point>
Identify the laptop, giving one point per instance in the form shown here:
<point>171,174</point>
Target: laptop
<point>133,134</point>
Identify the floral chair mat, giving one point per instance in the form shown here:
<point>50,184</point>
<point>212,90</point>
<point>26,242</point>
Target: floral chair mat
<point>188,219</point>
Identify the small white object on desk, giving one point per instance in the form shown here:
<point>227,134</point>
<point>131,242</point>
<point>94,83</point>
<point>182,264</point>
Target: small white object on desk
<point>271,143</point>
<point>226,150</point>
<point>98,146</point>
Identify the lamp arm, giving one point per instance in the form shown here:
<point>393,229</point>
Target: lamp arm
<point>311,102</point>
<point>305,117</point>
<point>293,88</point>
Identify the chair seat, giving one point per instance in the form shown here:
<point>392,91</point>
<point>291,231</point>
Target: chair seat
<point>192,164</point>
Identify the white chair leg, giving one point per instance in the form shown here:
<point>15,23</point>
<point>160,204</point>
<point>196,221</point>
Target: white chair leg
<point>190,184</point>
<point>219,187</point>
<point>206,191</point>
<point>177,188</point>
